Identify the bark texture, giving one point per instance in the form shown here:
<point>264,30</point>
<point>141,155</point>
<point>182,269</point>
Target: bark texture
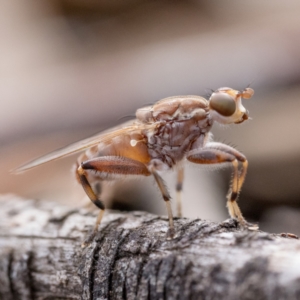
<point>41,257</point>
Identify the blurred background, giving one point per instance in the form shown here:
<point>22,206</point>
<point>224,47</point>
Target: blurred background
<point>69,69</point>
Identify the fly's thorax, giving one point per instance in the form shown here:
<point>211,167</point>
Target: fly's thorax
<point>172,139</point>
<point>178,108</point>
<point>179,121</point>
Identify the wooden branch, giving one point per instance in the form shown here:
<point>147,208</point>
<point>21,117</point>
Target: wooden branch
<point>130,258</point>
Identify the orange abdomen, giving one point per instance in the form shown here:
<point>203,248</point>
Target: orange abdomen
<point>132,146</point>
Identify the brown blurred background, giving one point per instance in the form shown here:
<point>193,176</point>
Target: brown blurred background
<point>71,68</point>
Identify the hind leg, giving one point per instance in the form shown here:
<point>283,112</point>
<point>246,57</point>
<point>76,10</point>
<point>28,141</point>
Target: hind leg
<point>105,165</point>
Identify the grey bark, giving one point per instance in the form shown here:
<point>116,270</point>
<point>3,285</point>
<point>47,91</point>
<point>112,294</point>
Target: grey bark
<point>130,258</point>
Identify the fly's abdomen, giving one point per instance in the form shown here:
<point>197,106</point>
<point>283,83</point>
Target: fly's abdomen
<point>132,146</point>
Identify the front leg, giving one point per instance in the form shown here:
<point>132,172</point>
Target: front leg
<point>217,153</point>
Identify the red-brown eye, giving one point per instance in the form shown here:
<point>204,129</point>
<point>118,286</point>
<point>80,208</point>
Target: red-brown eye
<point>223,103</point>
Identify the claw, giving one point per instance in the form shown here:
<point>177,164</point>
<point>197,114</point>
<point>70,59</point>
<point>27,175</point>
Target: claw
<point>89,240</point>
<point>253,227</point>
<point>248,226</point>
<point>171,234</point>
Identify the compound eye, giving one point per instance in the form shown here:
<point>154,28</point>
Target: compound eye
<point>223,103</point>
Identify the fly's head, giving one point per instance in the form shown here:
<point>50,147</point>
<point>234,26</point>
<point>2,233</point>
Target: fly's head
<point>225,105</point>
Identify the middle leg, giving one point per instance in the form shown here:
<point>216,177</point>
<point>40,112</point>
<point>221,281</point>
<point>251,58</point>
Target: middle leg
<point>180,175</point>
<point>167,198</point>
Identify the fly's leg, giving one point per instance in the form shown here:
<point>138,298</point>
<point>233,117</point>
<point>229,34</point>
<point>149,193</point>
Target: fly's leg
<point>216,153</point>
<point>237,182</point>
<point>107,165</point>
<point>93,197</point>
<point>180,175</point>
<point>167,198</point>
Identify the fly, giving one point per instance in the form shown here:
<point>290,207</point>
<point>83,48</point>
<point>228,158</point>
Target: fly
<point>161,138</point>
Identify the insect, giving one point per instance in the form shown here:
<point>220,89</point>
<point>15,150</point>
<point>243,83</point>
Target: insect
<point>161,138</point>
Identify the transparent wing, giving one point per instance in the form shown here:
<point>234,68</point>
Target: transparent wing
<point>104,136</point>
